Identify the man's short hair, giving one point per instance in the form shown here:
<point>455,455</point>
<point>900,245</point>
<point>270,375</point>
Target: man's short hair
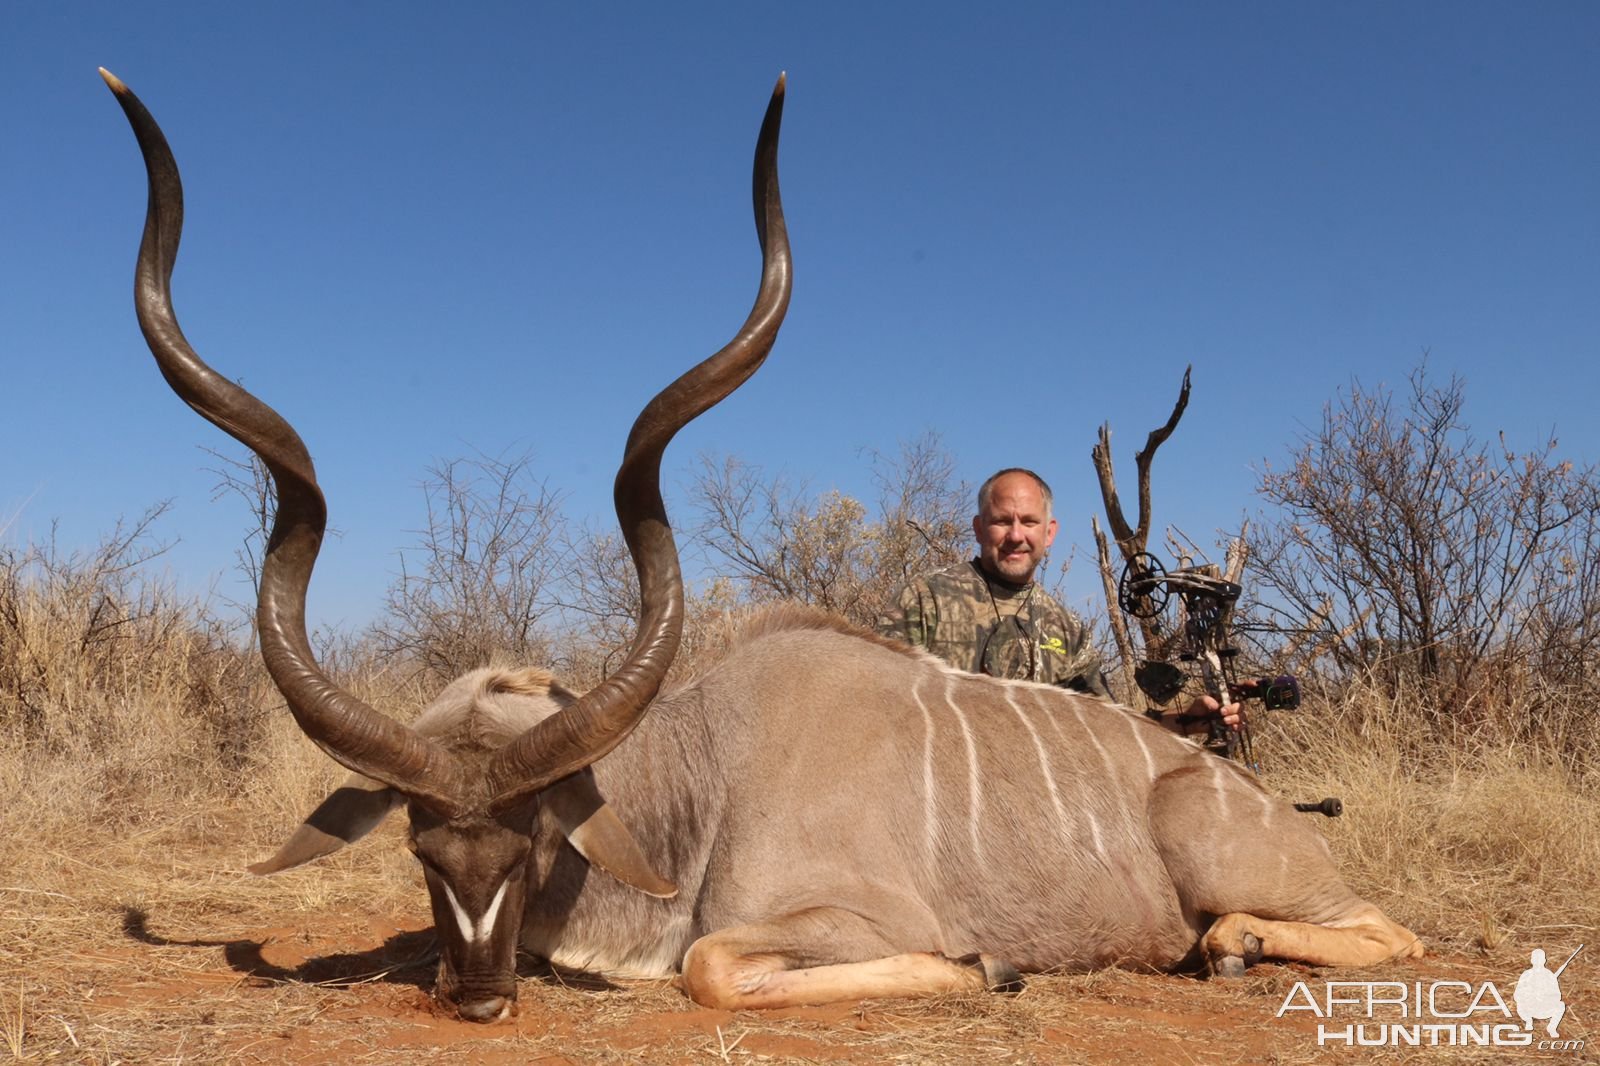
<point>986,490</point>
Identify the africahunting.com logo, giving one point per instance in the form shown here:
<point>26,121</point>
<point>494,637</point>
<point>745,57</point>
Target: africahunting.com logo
<point>1440,1013</point>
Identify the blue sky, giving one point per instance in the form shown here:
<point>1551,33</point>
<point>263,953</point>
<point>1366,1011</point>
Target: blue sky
<point>422,231</point>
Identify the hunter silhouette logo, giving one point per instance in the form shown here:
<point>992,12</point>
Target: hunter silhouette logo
<point>1538,993</point>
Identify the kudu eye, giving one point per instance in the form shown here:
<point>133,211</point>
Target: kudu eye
<point>427,864</point>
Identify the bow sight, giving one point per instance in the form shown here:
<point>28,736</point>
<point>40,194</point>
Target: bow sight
<point>1144,591</point>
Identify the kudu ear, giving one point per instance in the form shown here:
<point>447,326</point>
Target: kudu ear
<point>350,812</point>
<point>593,828</point>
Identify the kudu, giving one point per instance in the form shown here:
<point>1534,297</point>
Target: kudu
<point>822,815</point>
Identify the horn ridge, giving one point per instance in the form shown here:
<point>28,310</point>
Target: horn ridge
<point>347,729</point>
<point>567,742</point>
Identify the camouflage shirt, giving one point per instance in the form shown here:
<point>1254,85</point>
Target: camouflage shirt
<point>985,626</point>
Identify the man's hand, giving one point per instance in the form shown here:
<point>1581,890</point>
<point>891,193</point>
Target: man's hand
<point>1206,707</point>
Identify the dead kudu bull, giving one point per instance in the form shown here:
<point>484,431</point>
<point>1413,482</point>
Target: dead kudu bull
<point>822,815</point>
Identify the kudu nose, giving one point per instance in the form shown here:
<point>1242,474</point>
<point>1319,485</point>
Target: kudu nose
<point>485,1010</point>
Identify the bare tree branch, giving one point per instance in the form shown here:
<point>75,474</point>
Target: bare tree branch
<point>1132,540</point>
<point>1119,625</point>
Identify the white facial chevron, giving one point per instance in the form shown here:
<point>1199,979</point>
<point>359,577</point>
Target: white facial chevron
<point>475,932</point>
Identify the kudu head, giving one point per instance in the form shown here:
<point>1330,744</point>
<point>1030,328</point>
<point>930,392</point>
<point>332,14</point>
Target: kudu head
<point>473,804</point>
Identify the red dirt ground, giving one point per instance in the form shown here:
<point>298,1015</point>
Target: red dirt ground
<point>335,988</point>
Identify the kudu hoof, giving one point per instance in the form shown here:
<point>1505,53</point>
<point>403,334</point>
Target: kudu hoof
<point>1228,966</point>
<point>1236,965</point>
<point>998,974</point>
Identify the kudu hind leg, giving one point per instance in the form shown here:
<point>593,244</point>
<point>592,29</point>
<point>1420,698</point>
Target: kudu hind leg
<point>1235,852</point>
<point>823,955</point>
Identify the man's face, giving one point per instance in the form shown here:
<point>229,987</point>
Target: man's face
<point>1014,530</point>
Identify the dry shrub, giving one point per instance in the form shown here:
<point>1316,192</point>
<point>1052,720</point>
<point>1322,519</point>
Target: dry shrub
<point>1461,572</point>
<point>780,542</point>
<point>113,689</point>
<point>139,738</point>
<point>1487,834</point>
<point>127,709</point>
<point>476,584</point>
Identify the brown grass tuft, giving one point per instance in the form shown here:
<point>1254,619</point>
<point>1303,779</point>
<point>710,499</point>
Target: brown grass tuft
<point>1481,846</point>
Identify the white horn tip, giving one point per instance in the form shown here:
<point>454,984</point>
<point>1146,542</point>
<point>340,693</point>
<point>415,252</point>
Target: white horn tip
<point>113,81</point>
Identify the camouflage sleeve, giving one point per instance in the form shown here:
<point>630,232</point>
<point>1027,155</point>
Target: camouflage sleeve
<point>908,618</point>
<point>1091,679</point>
<point>1083,671</point>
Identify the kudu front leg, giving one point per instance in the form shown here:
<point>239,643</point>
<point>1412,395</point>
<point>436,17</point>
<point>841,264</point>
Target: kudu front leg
<point>1252,855</point>
<point>1365,938</point>
<point>824,955</point>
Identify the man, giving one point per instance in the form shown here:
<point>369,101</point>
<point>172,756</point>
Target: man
<point>988,616</point>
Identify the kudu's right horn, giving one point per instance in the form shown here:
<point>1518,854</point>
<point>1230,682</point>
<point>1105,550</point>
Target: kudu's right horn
<point>352,733</point>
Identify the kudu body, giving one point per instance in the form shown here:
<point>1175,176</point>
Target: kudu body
<point>822,815</point>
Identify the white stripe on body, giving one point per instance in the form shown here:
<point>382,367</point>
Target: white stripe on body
<point>1223,813</point>
<point>1062,821</point>
<point>1119,807</point>
<point>974,787</point>
<point>1087,730</point>
<point>1265,800</point>
<point>929,801</point>
<point>1138,738</point>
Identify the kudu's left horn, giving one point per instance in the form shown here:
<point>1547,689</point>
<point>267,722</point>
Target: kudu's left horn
<point>571,740</point>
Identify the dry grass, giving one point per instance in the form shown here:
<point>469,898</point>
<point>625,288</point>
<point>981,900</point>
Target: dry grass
<point>129,807</point>
<point>1487,845</point>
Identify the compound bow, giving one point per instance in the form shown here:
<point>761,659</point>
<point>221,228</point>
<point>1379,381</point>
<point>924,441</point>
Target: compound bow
<point>1208,600</point>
